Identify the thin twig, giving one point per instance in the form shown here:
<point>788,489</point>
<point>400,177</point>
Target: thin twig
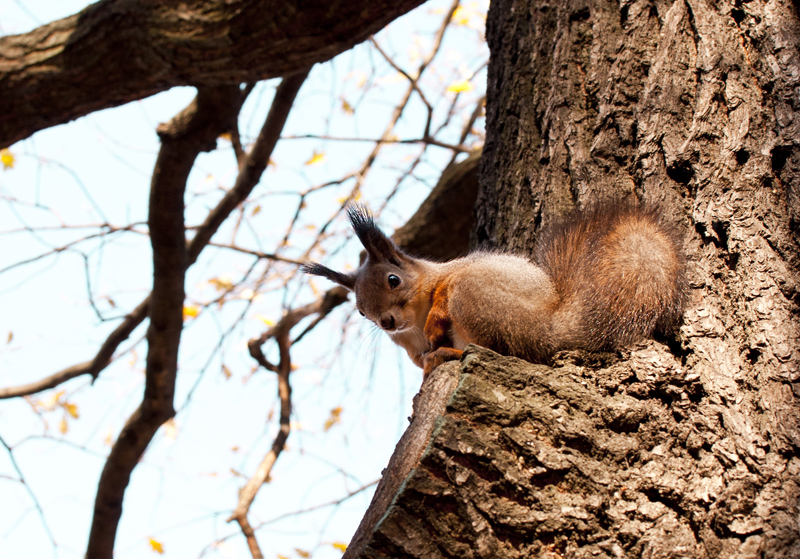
<point>281,333</point>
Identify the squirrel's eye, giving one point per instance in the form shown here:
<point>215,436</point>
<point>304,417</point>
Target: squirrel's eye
<point>394,281</point>
<point>361,313</point>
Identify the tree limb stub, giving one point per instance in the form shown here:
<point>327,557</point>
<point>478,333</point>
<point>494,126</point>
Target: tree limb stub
<point>50,75</point>
<point>594,457</point>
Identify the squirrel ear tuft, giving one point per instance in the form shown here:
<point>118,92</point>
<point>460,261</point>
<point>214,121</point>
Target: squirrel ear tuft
<point>378,246</point>
<point>348,281</point>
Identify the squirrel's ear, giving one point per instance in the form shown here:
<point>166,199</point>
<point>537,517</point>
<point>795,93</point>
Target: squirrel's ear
<point>348,281</point>
<point>378,246</point>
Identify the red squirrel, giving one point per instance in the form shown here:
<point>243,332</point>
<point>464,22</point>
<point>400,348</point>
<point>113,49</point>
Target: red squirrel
<point>599,279</point>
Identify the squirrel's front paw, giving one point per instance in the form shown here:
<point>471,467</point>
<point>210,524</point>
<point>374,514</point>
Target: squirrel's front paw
<point>434,358</point>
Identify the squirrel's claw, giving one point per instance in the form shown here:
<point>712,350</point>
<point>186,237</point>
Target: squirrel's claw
<point>434,358</point>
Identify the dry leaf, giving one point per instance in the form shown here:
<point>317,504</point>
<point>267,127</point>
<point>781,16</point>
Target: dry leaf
<point>334,418</point>
<point>7,158</point>
<point>156,546</point>
<point>347,107</point>
<point>316,158</point>
<point>170,429</point>
<point>71,409</point>
<point>265,320</point>
<point>460,87</point>
<point>190,311</point>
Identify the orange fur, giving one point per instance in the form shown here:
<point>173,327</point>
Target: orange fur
<point>600,279</point>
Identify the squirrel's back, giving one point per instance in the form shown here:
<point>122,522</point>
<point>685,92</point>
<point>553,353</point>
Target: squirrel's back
<point>619,272</point>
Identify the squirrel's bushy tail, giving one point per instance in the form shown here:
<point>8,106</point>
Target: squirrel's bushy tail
<point>620,273</point>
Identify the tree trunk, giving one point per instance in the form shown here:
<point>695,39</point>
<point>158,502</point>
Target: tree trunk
<point>677,448</point>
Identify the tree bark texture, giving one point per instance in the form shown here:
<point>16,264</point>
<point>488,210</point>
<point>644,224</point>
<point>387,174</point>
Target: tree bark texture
<point>596,457</point>
<point>692,105</point>
<point>684,447</point>
<point>116,51</point>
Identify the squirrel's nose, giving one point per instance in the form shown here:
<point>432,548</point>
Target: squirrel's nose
<point>387,322</point>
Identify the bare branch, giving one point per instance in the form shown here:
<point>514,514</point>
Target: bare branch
<point>259,254</point>
<point>193,130</point>
<point>31,494</point>
<point>93,367</point>
<point>255,163</point>
<point>280,332</point>
<point>423,140</point>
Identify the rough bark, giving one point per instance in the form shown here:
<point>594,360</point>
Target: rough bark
<point>687,447</point>
<point>596,457</point>
<point>50,75</point>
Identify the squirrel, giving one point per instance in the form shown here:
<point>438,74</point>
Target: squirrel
<point>599,279</point>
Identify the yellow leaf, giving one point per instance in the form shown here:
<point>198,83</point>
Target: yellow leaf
<point>265,320</point>
<point>171,429</point>
<point>190,311</point>
<point>302,553</point>
<point>226,372</point>
<point>226,136</point>
<point>7,158</point>
<point>62,426</point>
<point>471,16</point>
<point>72,409</point>
<point>340,546</point>
<point>460,87</point>
<point>334,418</point>
<point>10,337</point>
<point>156,546</point>
<point>256,210</point>
<point>109,438</point>
<point>316,158</point>
<point>347,107</point>
<point>461,16</point>
<point>51,403</point>
<point>279,556</point>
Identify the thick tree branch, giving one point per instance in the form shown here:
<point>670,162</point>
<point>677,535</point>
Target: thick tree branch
<point>50,75</point>
<point>254,164</point>
<point>193,130</point>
